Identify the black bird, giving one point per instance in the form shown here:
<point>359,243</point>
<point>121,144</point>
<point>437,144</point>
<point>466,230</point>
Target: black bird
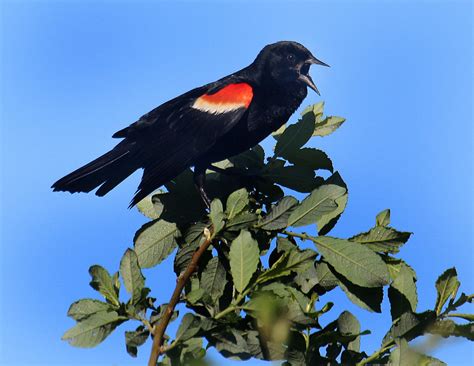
<point>204,125</point>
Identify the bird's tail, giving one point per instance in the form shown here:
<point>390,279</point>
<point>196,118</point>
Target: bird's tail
<point>107,171</point>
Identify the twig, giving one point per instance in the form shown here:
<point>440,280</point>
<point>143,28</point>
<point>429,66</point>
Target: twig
<point>376,354</point>
<point>160,328</point>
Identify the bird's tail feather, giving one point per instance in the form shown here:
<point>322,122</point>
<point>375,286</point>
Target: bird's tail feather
<point>107,171</point>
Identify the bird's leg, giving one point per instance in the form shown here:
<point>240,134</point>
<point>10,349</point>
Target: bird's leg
<point>200,181</point>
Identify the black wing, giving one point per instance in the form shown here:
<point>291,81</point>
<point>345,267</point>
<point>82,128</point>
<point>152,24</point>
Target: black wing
<point>175,135</point>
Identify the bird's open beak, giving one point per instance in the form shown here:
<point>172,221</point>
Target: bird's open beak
<point>304,72</point>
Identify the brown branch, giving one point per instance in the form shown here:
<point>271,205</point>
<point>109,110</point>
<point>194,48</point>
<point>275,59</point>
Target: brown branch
<point>157,347</point>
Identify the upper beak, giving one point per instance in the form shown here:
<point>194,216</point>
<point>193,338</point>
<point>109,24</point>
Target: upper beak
<point>304,76</point>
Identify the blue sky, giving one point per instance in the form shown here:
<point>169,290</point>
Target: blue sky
<point>73,73</point>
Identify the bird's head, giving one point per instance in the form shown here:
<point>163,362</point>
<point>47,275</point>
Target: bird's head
<point>287,62</point>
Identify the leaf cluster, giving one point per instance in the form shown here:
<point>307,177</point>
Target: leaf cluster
<point>257,293</point>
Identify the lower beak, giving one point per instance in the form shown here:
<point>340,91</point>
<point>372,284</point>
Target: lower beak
<point>306,78</point>
<point>308,81</point>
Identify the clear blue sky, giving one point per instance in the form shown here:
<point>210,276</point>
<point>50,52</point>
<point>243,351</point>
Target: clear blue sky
<point>73,73</point>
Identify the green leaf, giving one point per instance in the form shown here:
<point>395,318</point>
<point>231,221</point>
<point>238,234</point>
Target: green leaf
<point>102,282</point>
<point>149,207</point>
<point>154,242</point>
<point>217,216</point>
<point>324,276</point>
<point>448,328</point>
<point>328,125</point>
<point>276,134</point>
<point>403,285</point>
<point>236,202</point>
<point>354,261</point>
<point>306,279</point>
<point>188,328</point>
<point>250,159</point>
<point>319,203</point>
<point>195,296</point>
<point>295,135</point>
<point>409,326</point>
<point>311,158</point>
<point>383,218</point>
<point>132,275</point>
<point>348,326</point>
<point>93,329</point>
<point>135,339</point>
<point>403,355</point>
<point>316,110</point>
<point>367,298</point>
<point>244,256</point>
<point>382,239</point>
<point>295,177</point>
<point>277,218</point>
<point>292,261</point>
<point>83,308</point>
<point>243,220</point>
<point>213,278</point>
<point>447,286</point>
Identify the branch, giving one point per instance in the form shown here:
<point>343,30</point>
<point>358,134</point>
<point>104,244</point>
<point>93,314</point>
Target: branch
<point>160,328</point>
<point>376,354</point>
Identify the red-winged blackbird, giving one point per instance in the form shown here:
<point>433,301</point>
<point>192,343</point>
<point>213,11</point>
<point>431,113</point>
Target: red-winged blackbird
<point>203,126</point>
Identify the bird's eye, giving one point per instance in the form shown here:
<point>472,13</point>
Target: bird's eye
<point>291,57</point>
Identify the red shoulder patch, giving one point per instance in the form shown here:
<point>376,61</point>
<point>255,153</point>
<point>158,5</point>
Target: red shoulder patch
<point>227,99</point>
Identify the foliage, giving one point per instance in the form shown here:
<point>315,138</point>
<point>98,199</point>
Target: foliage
<point>256,293</point>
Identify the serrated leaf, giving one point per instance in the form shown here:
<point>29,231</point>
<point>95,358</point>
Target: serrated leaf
<point>403,355</point>
<point>83,308</point>
<point>194,296</point>
<point>320,202</point>
<point>317,110</point>
<point>311,158</point>
<point>252,159</point>
<point>278,216</point>
<point>349,325</point>
<point>295,177</point>
<point>102,282</point>
<point>244,256</point>
<point>217,216</point>
<point>354,261</point>
<point>383,218</point>
<point>132,275</point>
<point>405,284</point>
<point>291,261</point>
<point>306,279</point>
<point>236,202</point>
<point>366,298</point>
<point>276,134</point>
<point>213,278</point>
<point>447,287</point>
<point>329,220</point>
<point>382,239</point>
<point>154,242</point>
<point>295,135</point>
<point>242,221</point>
<point>188,328</point>
<point>409,326</point>
<point>93,329</point>
<point>328,125</point>
<point>324,276</point>
<point>134,339</point>
<point>149,207</point>
<point>448,328</point>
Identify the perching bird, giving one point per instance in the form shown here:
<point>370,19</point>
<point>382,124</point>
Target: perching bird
<point>205,125</point>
